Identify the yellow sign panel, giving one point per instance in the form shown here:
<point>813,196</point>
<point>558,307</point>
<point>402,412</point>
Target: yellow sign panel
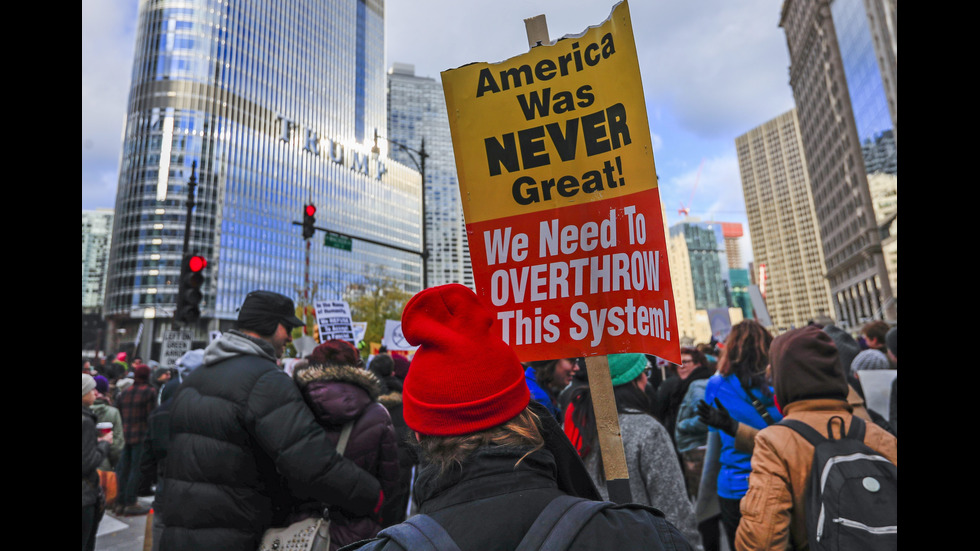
<point>560,125</point>
<point>559,190</point>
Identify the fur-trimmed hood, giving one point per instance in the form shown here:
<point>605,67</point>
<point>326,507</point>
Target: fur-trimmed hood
<point>362,378</point>
<point>391,400</point>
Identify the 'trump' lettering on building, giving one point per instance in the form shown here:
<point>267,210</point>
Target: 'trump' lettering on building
<point>559,192</point>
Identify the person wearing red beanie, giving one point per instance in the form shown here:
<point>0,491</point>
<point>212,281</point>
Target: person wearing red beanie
<point>491,459</point>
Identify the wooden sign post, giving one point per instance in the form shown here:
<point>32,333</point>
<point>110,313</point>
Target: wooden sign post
<point>563,215</point>
<point>600,383</point>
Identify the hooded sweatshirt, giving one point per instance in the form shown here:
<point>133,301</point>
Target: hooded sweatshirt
<point>810,358</point>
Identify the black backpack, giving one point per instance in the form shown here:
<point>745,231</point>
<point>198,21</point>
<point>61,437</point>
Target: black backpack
<point>554,530</point>
<point>851,499</point>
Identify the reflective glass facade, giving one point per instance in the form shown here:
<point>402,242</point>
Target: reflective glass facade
<point>865,86</point>
<point>843,67</point>
<point>709,269</point>
<point>417,111</point>
<point>276,103</point>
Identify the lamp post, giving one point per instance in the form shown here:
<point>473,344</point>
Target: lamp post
<point>419,164</point>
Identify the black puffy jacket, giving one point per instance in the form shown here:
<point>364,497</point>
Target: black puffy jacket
<point>243,441</point>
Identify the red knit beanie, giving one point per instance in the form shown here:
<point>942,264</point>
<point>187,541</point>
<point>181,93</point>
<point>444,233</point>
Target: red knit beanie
<point>464,377</point>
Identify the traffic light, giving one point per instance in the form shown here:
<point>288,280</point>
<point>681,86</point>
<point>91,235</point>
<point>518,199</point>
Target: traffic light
<point>308,221</point>
<point>189,290</point>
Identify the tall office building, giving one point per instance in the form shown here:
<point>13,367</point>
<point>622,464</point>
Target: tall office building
<point>708,262</point>
<point>96,238</point>
<point>732,232</point>
<point>782,222</point>
<point>417,112</point>
<point>843,72</point>
<point>271,106</point>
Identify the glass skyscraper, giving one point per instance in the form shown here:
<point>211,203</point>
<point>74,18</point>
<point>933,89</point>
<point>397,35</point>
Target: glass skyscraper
<point>416,112</point>
<point>709,268</point>
<point>275,105</point>
<point>843,71</point>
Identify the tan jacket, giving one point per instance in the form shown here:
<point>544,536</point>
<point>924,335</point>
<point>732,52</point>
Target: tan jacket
<point>745,435</point>
<point>772,510</point>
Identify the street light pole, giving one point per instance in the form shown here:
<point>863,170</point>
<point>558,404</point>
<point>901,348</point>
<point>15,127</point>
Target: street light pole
<point>419,164</point>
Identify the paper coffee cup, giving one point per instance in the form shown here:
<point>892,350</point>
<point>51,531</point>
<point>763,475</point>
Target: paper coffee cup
<point>104,427</point>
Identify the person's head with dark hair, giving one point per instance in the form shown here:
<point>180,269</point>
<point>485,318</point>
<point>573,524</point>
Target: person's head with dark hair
<point>746,354</point>
<point>554,375</point>
<point>891,341</point>
<point>268,316</point>
<point>874,333</point>
<point>336,352</point>
<point>383,365</point>
<point>691,359</point>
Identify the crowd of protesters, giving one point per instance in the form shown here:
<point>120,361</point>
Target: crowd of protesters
<point>463,440</point>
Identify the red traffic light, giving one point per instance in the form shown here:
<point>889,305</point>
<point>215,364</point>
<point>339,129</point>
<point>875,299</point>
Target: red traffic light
<point>196,263</point>
<point>310,210</point>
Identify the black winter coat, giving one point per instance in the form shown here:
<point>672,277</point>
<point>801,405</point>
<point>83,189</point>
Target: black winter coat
<point>489,505</point>
<point>241,440</point>
<point>338,395</point>
<point>93,452</point>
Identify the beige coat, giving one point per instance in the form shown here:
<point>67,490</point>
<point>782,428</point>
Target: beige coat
<point>745,435</point>
<point>772,510</point>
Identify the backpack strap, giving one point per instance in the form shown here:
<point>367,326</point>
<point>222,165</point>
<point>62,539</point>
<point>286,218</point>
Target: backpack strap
<point>420,533</point>
<point>857,429</point>
<point>559,523</point>
<point>806,431</point>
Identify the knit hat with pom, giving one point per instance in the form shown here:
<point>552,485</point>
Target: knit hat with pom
<point>464,377</point>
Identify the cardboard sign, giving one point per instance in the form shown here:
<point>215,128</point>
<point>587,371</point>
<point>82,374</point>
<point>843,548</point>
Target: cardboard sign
<point>333,320</point>
<point>559,190</point>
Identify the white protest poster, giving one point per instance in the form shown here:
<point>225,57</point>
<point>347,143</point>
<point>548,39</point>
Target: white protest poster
<point>877,387</point>
<point>394,339</point>
<point>304,346</point>
<point>333,320</point>
<point>175,345</point>
<point>360,328</point>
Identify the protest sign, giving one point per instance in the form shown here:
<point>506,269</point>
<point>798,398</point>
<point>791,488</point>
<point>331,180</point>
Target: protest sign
<point>360,328</point>
<point>333,320</point>
<point>393,338</point>
<point>559,190</point>
<point>175,345</point>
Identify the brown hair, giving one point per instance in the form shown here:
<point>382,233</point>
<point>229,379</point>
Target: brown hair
<point>876,330</point>
<point>523,431</point>
<point>746,354</point>
<point>696,355</point>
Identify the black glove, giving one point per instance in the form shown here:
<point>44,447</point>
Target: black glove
<point>717,417</point>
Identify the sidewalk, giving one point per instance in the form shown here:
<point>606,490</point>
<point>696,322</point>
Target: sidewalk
<point>119,533</point>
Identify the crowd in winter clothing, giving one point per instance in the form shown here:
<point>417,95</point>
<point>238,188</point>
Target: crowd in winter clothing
<point>232,442</point>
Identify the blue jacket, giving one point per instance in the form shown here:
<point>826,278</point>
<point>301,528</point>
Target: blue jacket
<point>539,394</point>
<point>733,477</point>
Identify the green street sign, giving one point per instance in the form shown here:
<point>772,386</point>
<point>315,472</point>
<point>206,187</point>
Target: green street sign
<point>336,241</point>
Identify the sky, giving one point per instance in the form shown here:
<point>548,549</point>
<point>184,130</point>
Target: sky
<point>711,71</point>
